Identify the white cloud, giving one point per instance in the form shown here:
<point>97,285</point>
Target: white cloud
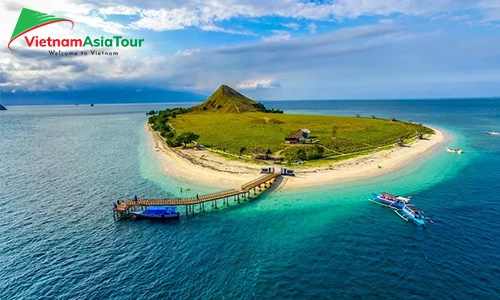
<point>293,26</point>
<point>253,84</point>
<point>278,56</point>
<point>386,21</point>
<point>96,22</point>
<point>278,36</point>
<point>312,28</point>
<point>211,27</point>
<point>119,10</point>
<point>27,69</point>
<point>176,14</point>
<point>206,15</point>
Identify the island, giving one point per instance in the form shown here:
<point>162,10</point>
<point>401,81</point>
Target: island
<point>2,107</point>
<point>229,139</point>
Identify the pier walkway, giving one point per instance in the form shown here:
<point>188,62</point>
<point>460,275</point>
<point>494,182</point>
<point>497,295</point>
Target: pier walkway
<point>125,207</point>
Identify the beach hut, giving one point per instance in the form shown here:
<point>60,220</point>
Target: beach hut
<point>267,170</point>
<point>307,132</point>
<point>287,172</point>
<point>261,153</point>
<point>296,137</point>
<point>400,142</point>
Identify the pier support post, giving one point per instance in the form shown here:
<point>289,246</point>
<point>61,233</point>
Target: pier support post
<point>187,212</point>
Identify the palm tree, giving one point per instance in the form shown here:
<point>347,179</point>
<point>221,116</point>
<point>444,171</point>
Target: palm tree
<point>399,142</point>
<point>373,116</point>
<point>410,121</point>
<point>357,115</point>
<point>393,119</point>
<point>420,135</point>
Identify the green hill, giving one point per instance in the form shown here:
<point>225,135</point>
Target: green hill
<point>227,100</point>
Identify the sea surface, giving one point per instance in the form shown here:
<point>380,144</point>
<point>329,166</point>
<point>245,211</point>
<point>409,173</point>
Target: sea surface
<point>61,167</point>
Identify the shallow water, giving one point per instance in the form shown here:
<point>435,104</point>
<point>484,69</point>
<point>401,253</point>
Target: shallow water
<point>62,166</point>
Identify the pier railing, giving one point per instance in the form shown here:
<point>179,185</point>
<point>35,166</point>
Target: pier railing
<point>125,205</point>
<point>261,180</point>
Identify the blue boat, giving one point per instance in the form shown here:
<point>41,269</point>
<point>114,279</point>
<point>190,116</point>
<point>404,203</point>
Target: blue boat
<point>159,213</point>
<point>411,213</point>
<point>389,200</point>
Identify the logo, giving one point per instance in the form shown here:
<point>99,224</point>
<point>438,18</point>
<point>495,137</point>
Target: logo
<point>32,19</point>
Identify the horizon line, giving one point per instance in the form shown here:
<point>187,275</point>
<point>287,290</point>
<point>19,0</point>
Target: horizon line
<point>274,100</point>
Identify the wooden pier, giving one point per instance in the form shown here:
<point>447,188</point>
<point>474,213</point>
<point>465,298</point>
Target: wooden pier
<point>125,207</point>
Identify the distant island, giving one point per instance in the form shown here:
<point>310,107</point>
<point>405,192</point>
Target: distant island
<point>2,107</point>
<point>231,133</point>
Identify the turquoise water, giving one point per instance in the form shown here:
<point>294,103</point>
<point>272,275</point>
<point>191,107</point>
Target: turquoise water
<point>61,168</point>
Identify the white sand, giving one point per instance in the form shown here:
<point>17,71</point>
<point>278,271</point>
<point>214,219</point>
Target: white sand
<point>208,169</point>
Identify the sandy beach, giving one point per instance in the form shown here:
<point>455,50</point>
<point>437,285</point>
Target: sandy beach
<point>206,168</point>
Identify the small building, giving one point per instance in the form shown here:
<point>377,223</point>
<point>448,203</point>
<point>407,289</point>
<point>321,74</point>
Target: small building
<point>307,132</point>
<point>295,137</point>
<point>261,153</point>
<point>267,170</point>
<point>287,172</point>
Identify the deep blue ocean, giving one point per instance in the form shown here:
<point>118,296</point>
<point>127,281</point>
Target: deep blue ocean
<point>61,167</point>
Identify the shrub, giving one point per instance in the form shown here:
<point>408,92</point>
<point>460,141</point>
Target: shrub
<point>294,154</point>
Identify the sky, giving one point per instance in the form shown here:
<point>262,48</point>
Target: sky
<point>269,50</point>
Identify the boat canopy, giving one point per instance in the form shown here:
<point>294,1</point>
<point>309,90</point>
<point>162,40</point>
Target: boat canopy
<point>413,208</point>
<point>162,208</point>
<point>391,196</point>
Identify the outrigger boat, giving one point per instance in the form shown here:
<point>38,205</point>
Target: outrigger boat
<point>411,213</point>
<point>492,133</point>
<point>159,213</point>
<point>390,200</point>
<point>459,151</point>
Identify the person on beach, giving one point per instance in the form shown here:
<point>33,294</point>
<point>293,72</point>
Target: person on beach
<point>118,202</point>
<point>135,198</point>
<point>197,197</point>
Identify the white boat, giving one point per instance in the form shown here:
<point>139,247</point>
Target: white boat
<point>411,213</point>
<point>492,133</point>
<point>459,151</point>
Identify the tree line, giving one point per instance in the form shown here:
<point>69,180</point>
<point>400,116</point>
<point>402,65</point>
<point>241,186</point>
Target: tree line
<point>159,122</point>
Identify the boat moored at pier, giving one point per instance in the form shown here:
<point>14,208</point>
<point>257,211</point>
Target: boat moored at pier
<point>158,212</point>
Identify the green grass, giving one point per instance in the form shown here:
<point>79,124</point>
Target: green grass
<point>231,132</point>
